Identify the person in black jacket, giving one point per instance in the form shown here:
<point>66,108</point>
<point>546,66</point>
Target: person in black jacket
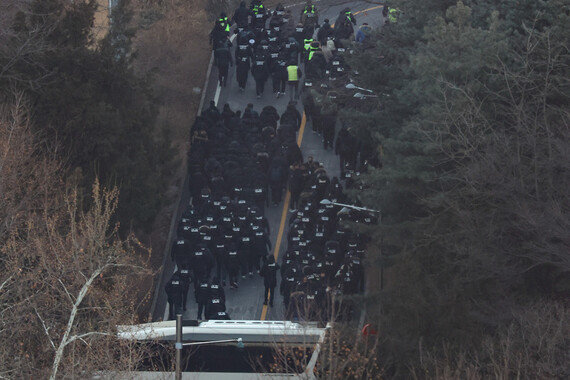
<point>292,116</point>
<point>201,295</point>
<point>287,286</point>
<point>176,289</point>
<point>324,32</point>
<point>269,274</point>
<point>241,16</point>
<point>232,262</point>
<point>216,301</point>
<point>243,64</point>
<point>223,60</point>
<point>346,147</point>
<point>260,72</point>
<point>261,244</point>
<point>277,176</point>
<point>181,252</point>
<point>296,184</point>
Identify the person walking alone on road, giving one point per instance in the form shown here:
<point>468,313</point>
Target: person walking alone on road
<point>223,60</point>
<point>293,75</point>
<point>269,274</point>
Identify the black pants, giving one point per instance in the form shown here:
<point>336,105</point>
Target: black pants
<point>295,195</point>
<point>241,75</point>
<point>223,75</point>
<point>171,314</point>
<point>269,293</point>
<point>318,123</point>
<point>259,85</point>
<point>243,263</point>
<point>233,271</point>
<point>279,83</point>
<point>286,298</point>
<point>328,136</point>
<point>294,88</point>
<point>201,307</point>
<point>276,191</point>
<point>220,269</point>
<point>184,300</point>
<point>276,82</point>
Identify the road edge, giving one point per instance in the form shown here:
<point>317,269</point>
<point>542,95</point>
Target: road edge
<point>177,209</point>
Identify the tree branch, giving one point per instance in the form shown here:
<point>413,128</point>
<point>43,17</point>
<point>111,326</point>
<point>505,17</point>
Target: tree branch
<point>46,329</point>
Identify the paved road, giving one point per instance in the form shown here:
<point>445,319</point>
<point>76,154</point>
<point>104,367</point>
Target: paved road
<point>246,302</point>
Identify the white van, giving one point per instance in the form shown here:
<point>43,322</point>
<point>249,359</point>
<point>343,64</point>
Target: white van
<point>231,349</point>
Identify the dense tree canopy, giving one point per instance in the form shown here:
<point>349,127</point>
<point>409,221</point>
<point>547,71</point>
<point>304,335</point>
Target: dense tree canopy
<point>87,99</point>
<point>474,182</point>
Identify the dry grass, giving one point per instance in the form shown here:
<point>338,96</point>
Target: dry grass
<point>175,48</point>
<point>171,43</point>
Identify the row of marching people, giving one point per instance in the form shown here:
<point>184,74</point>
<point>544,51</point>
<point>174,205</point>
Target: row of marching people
<point>323,261</point>
<point>234,160</point>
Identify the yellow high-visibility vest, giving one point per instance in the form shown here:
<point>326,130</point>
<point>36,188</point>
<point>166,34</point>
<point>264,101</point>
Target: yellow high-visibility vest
<point>292,73</point>
<point>312,51</point>
<point>392,13</point>
<point>224,24</point>
<point>311,10</point>
<point>307,43</point>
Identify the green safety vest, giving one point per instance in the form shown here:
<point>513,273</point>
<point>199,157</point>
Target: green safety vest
<point>224,21</point>
<point>257,8</point>
<point>307,43</point>
<point>313,50</point>
<point>312,10</point>
<point>392,15</point>
<point>292,73</point>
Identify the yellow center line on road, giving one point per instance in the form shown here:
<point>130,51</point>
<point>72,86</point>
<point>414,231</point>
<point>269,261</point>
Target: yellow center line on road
<point>365,10</point>
<point>368,9</point>
<point>284,212</point>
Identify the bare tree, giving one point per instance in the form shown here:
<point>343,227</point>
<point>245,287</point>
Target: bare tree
<point>345,353</point>
<point>66,278</point>
<point>533,346</point>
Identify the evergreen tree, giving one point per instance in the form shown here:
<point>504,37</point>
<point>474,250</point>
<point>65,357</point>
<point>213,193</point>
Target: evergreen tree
<point>96,108</point>
<point>474,177</point>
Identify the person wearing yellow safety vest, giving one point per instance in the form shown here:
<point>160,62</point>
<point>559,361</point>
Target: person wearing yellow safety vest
<point>220,32</point>
<point>316,63</point>
<point>313,47</point>
<point>293,75</point>
<point>343,28</point>
<point>307,47</point>
<point>256,6</point>
<point>393,15</point>
<point>310,15</point>
<point>224,23</point>
<point>347,14</point>
<point>258,14</point>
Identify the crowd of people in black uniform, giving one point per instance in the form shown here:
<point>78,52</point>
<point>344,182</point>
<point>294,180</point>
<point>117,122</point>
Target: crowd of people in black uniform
<point>239,164</point>
<point>269,45</point>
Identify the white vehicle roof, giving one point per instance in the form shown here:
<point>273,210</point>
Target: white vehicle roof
<point>249,331</point>
<point>252,333</point>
